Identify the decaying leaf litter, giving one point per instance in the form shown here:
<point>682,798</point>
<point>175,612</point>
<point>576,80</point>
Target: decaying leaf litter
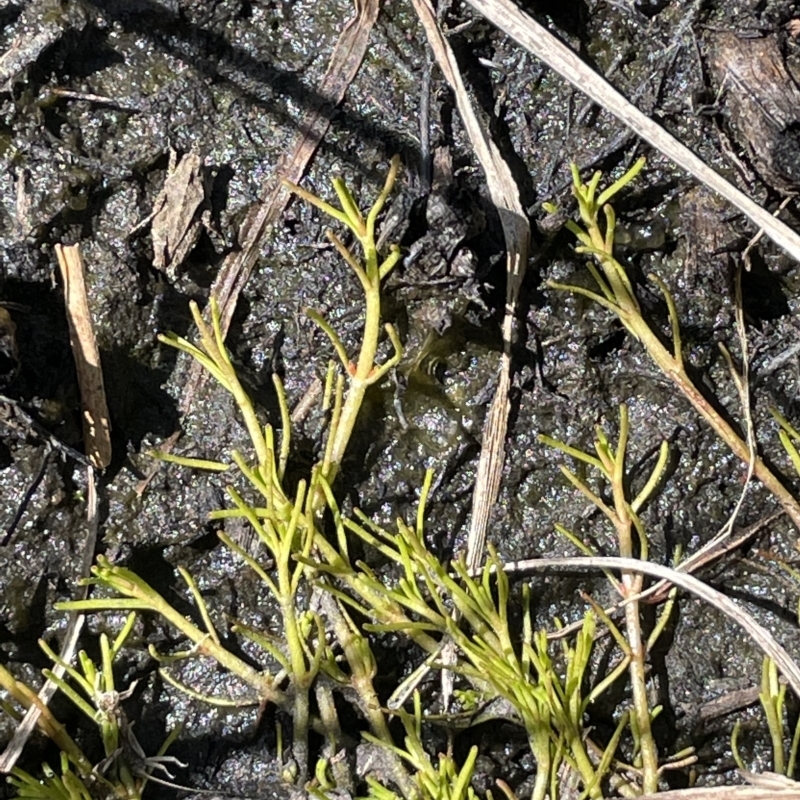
<point>89,168</point>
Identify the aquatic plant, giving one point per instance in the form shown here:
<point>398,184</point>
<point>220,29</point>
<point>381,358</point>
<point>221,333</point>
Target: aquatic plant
<point>334,607</point>
<point>616,293</point>
<point>125,769</point>
<point>323,639</point>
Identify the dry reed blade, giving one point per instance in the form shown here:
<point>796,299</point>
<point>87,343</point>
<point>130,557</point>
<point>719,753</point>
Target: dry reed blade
<point>762,637</point>
<point>516,229</point>
<point>507,16</point>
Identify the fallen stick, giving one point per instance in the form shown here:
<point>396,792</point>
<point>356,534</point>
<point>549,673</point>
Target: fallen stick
<point>94,409</point>
<point>516,230</point>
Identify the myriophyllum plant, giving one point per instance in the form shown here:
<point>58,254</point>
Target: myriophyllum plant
<point>287,524</point>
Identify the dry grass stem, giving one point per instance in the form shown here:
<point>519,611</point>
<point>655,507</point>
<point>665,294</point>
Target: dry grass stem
<point>516,229</point>
<point>507,16</point>
<point>72,634</point>
<point>762,637</point>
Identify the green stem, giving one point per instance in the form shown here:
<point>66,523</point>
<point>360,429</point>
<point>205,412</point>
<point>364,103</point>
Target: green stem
<point>47,723</point>
<point>584,764</point>
<point>362,671</point>
<point>632,585</point>
<point>674,370</point>
<point>641,702</point>
<point>539,741</point>
<point>130,585</point>
<point>627,309</point>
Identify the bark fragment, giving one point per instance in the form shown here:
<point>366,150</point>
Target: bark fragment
<point>762,103</point>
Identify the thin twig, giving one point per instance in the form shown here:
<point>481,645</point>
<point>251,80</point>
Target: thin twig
<point>28,496</point>
<point>94,408</point>
<point>710,552</point>
<point>516,229</point>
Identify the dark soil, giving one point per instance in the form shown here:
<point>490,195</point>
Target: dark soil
<point>94,99</point>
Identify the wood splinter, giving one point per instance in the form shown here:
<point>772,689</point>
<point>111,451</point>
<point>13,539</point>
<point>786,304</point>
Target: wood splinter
<point>94,409</point>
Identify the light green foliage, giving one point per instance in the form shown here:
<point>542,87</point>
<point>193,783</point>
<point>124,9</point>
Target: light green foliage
<point>441,609</point>
<point>491,661</point>
<point>125,770</point>
<point>773,691</point>
<point>623,514</point>
<point>66,786</point>
<point>617,295</point>
<point>523,674</point>
<point>790,438</point>
<point>288,525</point>
<point>433,782</point>
<point>773,701</point>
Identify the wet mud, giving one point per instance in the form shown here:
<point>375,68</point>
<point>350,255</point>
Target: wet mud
<point>102,101</point>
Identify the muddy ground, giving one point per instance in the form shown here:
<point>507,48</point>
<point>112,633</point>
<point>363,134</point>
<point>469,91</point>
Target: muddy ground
<point>99,94</point>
